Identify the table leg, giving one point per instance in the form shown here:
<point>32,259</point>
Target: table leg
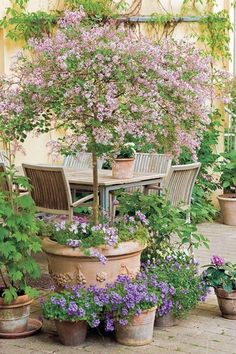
<point>104,196</point>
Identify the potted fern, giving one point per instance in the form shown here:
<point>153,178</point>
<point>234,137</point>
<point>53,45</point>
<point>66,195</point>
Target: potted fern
<point>227,200</point>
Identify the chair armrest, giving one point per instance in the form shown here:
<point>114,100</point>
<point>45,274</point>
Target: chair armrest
<point>154,186</point>
<point>82,200</point>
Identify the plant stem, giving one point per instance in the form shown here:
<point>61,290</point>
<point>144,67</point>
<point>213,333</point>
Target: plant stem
<point>95,189</point>
<point>3,279</point>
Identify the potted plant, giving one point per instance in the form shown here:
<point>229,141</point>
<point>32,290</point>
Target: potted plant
<point>72,309</point>
<point>18,241</point>
<point>179,271</point>
<point>80,253</point>
<point>131,306</point>
<point>221,276</point>
<point>227,200</point>
<point>123,164</point>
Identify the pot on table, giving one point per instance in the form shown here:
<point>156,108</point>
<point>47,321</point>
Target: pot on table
<point>228,207</point>
<point>123,168</point>
<point>139,331</point>
<point>14,316</point>
<point>70,266</point>
<point>227,303</point>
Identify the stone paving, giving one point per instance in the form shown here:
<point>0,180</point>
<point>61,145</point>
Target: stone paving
<point>203,332</point>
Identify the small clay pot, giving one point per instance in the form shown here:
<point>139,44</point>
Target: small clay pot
<point>14,316</point>
<point>139,331</point>
<point>227,303</point>
<point>167,320</point>
<point>228,207</point>
<point>123,168</point>
<point>71,333</point>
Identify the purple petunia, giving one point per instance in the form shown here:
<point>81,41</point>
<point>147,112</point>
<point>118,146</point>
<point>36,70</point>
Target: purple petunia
<point>73,243</point>
<point>217,261</point>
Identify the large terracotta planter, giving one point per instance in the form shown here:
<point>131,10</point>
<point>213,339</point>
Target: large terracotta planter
<point>14,317</point>
<point>68,266</point>
<point>139,331</point>
<point>167,320</point>
<point>123,168</point>
<point>228,207</point>
<point>227,303</point>
<point>71,333</point>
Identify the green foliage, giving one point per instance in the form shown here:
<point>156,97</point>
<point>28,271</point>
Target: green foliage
<point>18,241</point>
<point>126,151</point>
<point>22,25</point>
<point>221,276</point>
<point>215,34</point>
<point>180,271</point>
<point>78,304</point>
<point>164,221</point>
<point>97,9</point>
<point>227,168</point>
<point>202,208</point>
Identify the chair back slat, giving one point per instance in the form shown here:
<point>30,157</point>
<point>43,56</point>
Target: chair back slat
<point>180,182</point>
<point>156,163</point>
<point>159,163</point>
<point>50,189</point>
<point>81,161</point>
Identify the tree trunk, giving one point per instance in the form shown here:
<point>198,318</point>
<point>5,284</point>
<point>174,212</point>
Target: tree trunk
<point>95,190</point>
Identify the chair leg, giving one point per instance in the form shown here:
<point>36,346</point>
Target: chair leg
<point>71,214</point>
<point>188,220</point>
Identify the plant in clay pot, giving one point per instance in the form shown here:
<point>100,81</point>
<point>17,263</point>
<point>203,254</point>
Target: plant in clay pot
<point>180,271</point>
<point>227,200</point>
<point>73,309</point>
<point>123,164</point>
<point>221,276</point>
<point>82,253</point>
<point>18,242</point>
<point>131,306</point>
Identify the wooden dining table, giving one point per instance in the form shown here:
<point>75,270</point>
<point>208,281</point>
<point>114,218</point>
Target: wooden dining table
<point>83,180</point>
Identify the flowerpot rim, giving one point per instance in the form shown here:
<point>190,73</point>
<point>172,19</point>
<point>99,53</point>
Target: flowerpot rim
<point>128,247</point>
<point>21,300</point>
<point>229,197</point>
<point>125,159</point>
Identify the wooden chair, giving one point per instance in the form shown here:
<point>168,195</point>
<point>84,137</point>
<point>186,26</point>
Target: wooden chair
<point>178,186</point>
<point>179,183</point>
<point>51,190</point>
<point>82,161</point>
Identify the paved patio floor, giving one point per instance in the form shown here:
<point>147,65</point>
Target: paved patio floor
<point>203,332</point>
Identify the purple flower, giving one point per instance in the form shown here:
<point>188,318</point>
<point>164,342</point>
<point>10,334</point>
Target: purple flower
<point>142,217</point>
<point>81,312</point>
<point>101,257</point>
<point>123,322</point>
<point>217,261</point>
<point>72,309</point>
<point>73,243</point>
<point>95,323</point>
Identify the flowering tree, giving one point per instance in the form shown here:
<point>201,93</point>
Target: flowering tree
<point>103,86</point>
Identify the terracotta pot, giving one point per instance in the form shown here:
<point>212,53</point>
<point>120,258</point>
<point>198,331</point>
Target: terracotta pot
<point>123,168</point>
<point>227,303</point>
<point>71,333</point>
<point>68,266</point>
<point>167,320</point>
<point>14,317</point>
<point>228,207</point>
<point>139,331</point>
